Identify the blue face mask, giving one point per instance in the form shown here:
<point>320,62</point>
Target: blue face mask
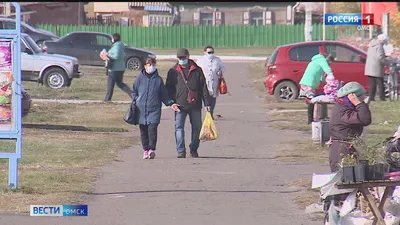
<point>183,62</point>
<point>210,55</point>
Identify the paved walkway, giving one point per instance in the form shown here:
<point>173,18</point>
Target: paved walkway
<point>237,181</point>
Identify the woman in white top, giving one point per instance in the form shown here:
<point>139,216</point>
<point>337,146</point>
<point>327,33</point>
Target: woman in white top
<point>213,68</point>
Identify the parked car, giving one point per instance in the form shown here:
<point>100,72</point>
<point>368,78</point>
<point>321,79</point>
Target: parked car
<point>39,36</point>
<point>53,70</point>
<point>287,64</point>
<point>86,47</point>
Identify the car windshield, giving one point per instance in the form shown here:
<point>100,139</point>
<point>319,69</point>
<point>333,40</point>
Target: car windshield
<point>28,26</point>
<point>33,45</point>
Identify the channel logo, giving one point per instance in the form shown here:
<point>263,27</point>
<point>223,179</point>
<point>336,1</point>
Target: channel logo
<point>59,210</point>
<point>346,19</point>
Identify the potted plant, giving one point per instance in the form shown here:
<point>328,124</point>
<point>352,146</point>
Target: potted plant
<point>371,160</point>
<point>349,161</point>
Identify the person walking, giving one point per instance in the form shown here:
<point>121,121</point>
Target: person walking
<point>116,71</point>
<point>374,66</point>
<point>187,87</point>
<point>149,92</point>
<point>213,70</point>
<point>312,78</point>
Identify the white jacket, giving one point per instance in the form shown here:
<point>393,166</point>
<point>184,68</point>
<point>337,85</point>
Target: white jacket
<point>210,67</point>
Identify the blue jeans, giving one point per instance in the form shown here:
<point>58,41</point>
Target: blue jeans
<point>195,121</point>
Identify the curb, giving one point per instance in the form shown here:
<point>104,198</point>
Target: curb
<point>225,58</point>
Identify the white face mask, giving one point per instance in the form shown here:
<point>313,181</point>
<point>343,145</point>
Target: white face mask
<point>150,69</point>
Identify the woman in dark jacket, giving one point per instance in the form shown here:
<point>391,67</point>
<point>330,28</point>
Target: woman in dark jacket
<point>349,116</point>
<point>149,93</point>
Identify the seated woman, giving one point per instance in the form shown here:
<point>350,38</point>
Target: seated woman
<point>349,116</point>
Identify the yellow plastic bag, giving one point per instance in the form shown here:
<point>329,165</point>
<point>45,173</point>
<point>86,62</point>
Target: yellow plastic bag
<point>208,130</point>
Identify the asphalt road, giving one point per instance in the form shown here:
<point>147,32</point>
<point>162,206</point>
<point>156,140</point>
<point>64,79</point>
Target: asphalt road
<point>236,181</point>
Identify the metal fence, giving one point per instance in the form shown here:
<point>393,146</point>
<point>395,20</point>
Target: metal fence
<point>199,36</point>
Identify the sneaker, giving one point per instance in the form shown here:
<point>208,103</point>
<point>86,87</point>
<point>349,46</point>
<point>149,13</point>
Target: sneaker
<point>146,154</point>
<point>181,154</point>
<point>194,154</point>
<point>152,154</point>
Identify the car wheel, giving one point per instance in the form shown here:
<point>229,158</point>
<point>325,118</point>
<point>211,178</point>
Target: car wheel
<point>133,64</point>
<point>55,78</point>
<point>286,91</point>
<point>387,90</point>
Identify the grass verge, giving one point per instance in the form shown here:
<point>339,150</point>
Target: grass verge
<point>244,51</point>
<point>58,163</point>
<point>92,86</point>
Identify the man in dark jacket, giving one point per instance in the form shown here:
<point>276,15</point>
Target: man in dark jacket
<point>187,87</point>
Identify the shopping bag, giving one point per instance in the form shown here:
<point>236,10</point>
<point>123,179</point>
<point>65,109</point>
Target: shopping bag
<point>222,86</point>
<point>132,115</point>
<point>208,130</point>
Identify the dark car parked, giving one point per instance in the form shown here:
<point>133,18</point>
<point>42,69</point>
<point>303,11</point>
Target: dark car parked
<point>86,47</point>
<point>39,36</point>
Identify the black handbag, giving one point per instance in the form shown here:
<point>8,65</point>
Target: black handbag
<point>132,115</point>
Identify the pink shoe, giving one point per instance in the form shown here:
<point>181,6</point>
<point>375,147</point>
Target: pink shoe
<point>152,154</point>
<point>146,154</point>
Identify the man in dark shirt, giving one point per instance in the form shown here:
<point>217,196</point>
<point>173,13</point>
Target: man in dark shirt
<point>186,85</point>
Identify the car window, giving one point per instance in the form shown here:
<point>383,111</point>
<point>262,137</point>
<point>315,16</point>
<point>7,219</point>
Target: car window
<point>303,53</point>
<point>102,40</point>
<point>273,56</point>
<point>342,54</point>
<point>8,25</point>
<point>83,40</point>
<point>23,47</point>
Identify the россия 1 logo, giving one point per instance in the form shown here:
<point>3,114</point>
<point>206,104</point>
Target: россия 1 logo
<point>348,19</point>
<point>59,210</point>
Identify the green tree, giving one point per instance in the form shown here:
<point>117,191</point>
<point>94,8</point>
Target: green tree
<point>344,7</point>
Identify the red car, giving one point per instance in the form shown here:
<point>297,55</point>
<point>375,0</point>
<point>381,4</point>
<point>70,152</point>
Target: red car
<point>287,64</point>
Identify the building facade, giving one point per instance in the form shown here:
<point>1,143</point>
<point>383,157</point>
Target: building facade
<point>134,13</point>
<point>225,13</point>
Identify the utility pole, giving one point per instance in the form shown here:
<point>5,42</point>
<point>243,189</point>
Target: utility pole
<point>323,25</point>
<point>79,13</point>
<point>308,22</point>
<point>7,8</point>
<point>371,28</point>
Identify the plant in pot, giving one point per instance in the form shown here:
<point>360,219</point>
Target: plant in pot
<point>349,161</point>
<point>371,159</point>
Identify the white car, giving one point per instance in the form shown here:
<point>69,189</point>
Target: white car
<point>53,70</point>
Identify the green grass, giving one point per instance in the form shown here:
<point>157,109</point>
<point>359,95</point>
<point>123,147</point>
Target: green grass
<point>244,51</point>
<point>58,166</point>
<point>92,86</point>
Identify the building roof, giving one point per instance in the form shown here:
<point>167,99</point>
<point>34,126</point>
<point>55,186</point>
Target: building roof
<point>143,4</point>
<point>157,8</point>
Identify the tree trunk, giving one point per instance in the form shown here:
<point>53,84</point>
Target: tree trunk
<point>308,23</point>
